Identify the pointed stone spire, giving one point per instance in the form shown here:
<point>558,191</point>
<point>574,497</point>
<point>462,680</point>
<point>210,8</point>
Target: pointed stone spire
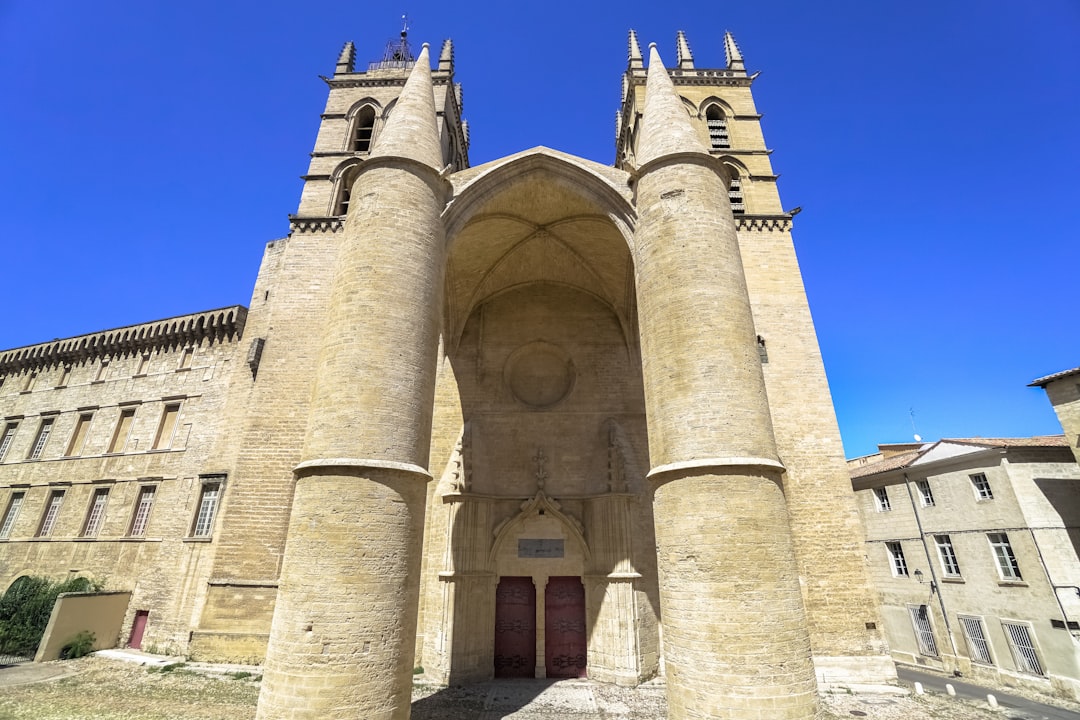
<point>634,58</point>
<point>446,57</point>
<point>459,97</point>
<point>411,130</point>
<point>683,54</point>
<point>346,60</point>
<point>731,50</point>
<point>666,127</point>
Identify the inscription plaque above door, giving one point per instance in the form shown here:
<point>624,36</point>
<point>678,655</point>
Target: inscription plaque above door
<point>540,548</point>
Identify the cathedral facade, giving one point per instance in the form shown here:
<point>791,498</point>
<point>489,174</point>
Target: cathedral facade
<point>540,417</point>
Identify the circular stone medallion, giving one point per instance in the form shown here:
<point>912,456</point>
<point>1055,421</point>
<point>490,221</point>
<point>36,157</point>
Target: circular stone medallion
<point>539,374</point>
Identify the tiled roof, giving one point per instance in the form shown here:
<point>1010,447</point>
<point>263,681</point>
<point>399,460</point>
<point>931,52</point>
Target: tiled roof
<point>893,463</point>
<point>1041,382</point>
<point>904,460</point>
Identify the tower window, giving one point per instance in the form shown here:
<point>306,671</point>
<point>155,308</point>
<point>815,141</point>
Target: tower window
<point>718,132</point>
<point>363,130</point>
<point>735,194</point>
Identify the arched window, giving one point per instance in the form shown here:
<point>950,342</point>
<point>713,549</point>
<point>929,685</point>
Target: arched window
<point>735,192</point>
<point>343,190</point>
<point>718,133</point>
<point>363,129</point>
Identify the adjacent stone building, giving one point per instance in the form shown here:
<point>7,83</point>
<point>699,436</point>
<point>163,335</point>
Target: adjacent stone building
<point>540,417</point>
<point>974,546</point>
<point>1063,391</point>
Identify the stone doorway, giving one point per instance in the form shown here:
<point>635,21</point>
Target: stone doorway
<point>565,644</point>
<point>515,628</point>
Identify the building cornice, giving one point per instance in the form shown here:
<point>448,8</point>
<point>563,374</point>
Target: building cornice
<point>310,224</point>
<point>222,324</point>
<point>763,222</point>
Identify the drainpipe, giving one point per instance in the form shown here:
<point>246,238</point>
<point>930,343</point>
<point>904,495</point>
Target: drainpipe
<point>933,574</point>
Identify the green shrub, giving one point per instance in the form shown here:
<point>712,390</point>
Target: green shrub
<point>25,609</point>
<point>79,646</point>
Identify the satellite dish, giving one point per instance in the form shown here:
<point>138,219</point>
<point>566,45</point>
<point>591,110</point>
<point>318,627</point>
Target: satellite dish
<point>918,438</point>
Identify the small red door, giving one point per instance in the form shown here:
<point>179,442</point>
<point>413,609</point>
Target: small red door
<point>138,628</point>
<point>565,649</point>
<point>515,628</point>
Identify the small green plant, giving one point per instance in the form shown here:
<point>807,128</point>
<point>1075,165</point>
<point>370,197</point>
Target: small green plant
<point>418,670</point>
<point>79,646</point>
<point>171,667</point>
<point>240,675</point>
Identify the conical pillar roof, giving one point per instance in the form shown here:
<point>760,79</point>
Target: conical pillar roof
<point>411,129</point>
<point>666,126</point>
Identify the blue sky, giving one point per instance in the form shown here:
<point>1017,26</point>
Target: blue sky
<point>149,150</point>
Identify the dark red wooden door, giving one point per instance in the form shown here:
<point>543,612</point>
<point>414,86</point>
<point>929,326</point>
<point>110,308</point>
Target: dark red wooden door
<point>515,628</point>
<point>565,648</point>
<point>138,627</point>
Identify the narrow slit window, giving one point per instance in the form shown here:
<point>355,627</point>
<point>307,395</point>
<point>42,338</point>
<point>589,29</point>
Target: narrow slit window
<point>103,371</point>
<point>185,358</point>
<point>735,195</point>
<point>96,514</point>
<point>65,376</point>
<point>144,363</point>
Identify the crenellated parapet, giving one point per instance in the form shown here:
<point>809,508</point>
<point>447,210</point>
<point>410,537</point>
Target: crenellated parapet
<point>221,325</point>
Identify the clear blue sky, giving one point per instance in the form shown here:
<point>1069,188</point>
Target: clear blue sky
<point>149,150</point>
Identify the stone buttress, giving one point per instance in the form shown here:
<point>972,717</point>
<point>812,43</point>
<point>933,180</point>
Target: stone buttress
<point>735,633</point>
<point>341,642</point>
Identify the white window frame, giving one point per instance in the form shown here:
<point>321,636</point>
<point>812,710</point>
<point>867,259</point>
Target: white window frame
<point>15,503</point>
<point>95,516</point>
<point>977,640</point>
<point>950,566</point>
<point>981,485</point>
<point>144,505</point>
<point>1025,651</point>
<point>881,499</point>
<point>52,512</point>
<point>1008,567</point>
<point>926,494</point>
<point>207,507</point>
<point>41,439</point>
<point>924,630</point>
<point>897,559</point>
<point>8,437</point>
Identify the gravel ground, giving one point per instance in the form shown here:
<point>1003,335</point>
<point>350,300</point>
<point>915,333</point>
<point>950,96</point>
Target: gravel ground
<point>103,689</point>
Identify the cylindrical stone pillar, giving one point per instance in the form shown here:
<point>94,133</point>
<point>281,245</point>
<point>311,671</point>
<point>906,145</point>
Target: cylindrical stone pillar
<point>736,644</point>
<point>342,641</point>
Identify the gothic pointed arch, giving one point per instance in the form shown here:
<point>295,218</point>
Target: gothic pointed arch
<point>540,504</point>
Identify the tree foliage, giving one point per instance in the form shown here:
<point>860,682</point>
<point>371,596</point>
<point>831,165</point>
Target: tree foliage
<point>25,609</point>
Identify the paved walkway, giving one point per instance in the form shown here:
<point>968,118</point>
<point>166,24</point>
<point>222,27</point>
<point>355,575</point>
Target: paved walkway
<point>1014,707</point>
<point>539,700</point>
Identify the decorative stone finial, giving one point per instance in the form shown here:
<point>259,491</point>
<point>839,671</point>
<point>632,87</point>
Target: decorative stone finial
<point>446,56</point>
<point>684,57</point>
<point>346,60</point>
<point>634,59</point>
<point>731,50</point>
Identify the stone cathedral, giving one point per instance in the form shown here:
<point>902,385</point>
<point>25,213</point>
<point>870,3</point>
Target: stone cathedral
<point>540,417</point>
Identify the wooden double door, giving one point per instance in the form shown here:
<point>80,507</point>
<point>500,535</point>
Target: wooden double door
<point>565,644</point>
